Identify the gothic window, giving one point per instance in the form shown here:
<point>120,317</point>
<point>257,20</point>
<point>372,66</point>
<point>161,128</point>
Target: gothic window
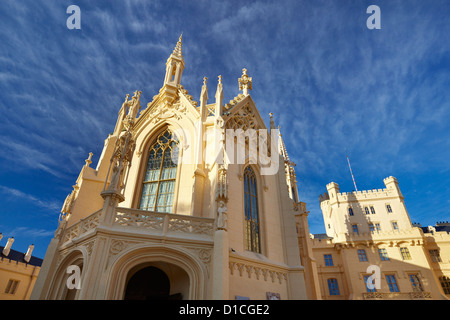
<point>159,179</point>
<point>252,225</point>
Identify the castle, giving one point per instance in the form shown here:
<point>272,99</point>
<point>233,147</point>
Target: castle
<point>370,231</point>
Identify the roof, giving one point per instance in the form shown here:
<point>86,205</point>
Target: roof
<point>445,228</point>
<point>18,256</point>
<point>321,236</point>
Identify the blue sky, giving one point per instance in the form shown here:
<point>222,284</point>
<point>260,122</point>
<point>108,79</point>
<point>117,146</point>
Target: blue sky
<point>335,88</point>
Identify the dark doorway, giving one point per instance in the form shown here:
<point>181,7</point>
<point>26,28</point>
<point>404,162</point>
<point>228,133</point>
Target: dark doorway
<point>149,283</point>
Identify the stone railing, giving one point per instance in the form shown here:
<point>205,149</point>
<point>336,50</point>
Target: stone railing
<point>397,295</point>
<point>82,226</point>
<point>155,223</point>
<point>164,223</point>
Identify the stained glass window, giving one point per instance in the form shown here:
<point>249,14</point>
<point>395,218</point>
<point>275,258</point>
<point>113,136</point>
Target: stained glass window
<point>159,179</point>
<point>252,226</point>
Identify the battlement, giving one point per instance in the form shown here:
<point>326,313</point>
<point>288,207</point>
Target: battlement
<point>364,194</point>
<point>323,197</point>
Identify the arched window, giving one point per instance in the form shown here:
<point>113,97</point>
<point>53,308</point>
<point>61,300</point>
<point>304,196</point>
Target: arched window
<point>159,180</point>
<point>252,226</point>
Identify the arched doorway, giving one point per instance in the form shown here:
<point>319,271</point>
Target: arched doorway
<point>150,283</point>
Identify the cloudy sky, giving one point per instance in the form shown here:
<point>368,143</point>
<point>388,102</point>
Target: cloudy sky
<point>335,87</point>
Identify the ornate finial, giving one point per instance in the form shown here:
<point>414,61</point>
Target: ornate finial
<point>88,160</point>
<point>272,123</point>
<point>126,97</point>
<point>204,80</point>
<point>245,82</point>
<point>220,79</point>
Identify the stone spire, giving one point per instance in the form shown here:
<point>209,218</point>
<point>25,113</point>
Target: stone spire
<point>178,48</point>
<point>204,100</point>
<point>174,67</point>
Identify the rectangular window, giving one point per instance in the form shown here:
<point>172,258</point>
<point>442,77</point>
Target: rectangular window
<point>350,211</point>
<point>415,282</point>
<point>445,284</point>
<point>388,208</point>
<point>355,229</point>
<point>366,278</point>
<point>435,256</point>
<point>392,283</point>
<point>366,209</point>
<point>333,287</point>
<point>371,228</point>
<point>383,254</point>
<point>11,287</point>
<point>405,254</point>
<point>372,209</point>
<point>362,255</point>
<point>378,227</point>
<point>395,225</point>
<point>328,260</point>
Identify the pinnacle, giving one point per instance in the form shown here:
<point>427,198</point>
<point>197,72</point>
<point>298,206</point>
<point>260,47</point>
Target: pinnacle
<point>178,48</point>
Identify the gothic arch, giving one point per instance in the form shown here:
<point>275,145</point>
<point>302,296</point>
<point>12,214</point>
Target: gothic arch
<point>149,255</point>
<point>58,289</point>
<point>143,153</point>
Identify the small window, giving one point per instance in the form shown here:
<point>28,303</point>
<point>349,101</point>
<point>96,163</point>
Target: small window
<point>362,255</point>
<point>328,260</point>
<point>366,209</point>
<point>366,279</point>
<point>355,229</point>
<point>377,227</point>
<point>371,228</point>
<point>383,254</point>
<point>445,284</point>
<point>388,208</point>
<point>11,287</point>
<point>350,211</point>
<point>333,287</point>
<point>372,209</point>
<point>395,225</point>
<point>405,254</point>
<point>435,256</point>
<point>415,282</point>
<point>392,283</point>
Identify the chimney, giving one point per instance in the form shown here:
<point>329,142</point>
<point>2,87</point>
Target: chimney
<point>8,246</point>
<point>28,254</point>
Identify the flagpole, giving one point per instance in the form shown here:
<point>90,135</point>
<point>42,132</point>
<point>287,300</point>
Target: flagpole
<point>353,178</point>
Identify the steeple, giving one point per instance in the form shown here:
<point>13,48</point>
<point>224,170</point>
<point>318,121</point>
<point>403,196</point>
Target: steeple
<point>175,65</point>
<point>174,70</point>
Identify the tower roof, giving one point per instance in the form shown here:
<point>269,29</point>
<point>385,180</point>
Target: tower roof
<point>178,51</point>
